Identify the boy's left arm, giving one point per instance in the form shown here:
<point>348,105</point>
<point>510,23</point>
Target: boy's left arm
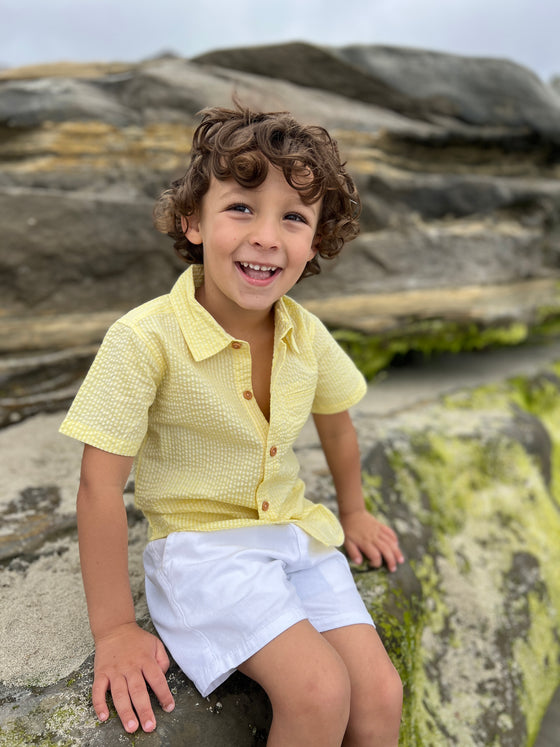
<point>363,533</point>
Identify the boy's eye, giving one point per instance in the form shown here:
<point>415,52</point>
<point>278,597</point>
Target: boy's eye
<point>295,217</point>
<point>239,207</point>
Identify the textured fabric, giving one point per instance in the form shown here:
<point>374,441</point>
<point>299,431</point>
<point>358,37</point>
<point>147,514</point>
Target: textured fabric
<point>216,598</point>
<point>171,387</point>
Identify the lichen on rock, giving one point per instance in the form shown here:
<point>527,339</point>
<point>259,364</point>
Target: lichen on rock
<point>469,490</point>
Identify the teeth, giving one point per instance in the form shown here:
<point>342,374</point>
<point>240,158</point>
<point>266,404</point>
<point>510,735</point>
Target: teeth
<point>260,268</point>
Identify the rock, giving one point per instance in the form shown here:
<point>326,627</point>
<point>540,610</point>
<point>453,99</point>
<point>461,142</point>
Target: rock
<point>108,255</point>
<point>414,82</point>
<point>238,713</point>
<point>457,164</point>
<point>469,196</point>
<point>29,103</point>
<point>469,481</point>
<point>449,478</point>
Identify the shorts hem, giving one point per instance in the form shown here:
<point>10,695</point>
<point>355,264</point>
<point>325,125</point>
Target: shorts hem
<point>343,622</point>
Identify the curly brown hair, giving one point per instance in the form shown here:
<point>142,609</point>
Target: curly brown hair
<point>241,143</point>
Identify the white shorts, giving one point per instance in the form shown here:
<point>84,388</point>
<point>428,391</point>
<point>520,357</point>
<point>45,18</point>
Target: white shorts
<point>216,598</point>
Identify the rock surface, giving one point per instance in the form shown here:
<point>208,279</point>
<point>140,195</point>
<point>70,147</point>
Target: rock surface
<point>460,455</point>
<point>458,162</point>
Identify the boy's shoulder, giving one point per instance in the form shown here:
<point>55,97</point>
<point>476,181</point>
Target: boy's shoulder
<point>147,311</point>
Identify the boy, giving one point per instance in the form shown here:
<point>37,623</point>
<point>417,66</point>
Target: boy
<point>208,387</point>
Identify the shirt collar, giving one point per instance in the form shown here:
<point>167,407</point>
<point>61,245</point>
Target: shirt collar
<point>202,333</point>
<point>284,324</point>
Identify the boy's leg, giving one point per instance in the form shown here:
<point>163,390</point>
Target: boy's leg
<point>376,689</point>
<point>308,686</point>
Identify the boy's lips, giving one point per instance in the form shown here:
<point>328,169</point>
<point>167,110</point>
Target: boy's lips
<point>258,272</point>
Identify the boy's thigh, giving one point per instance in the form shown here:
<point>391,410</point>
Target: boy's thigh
<point>295,663</point>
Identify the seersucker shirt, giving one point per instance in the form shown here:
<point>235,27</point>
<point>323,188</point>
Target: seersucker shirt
<point>172,388</point>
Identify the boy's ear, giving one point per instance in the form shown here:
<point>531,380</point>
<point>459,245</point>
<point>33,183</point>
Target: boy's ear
<point>191,228</point>
<point>315,246</point>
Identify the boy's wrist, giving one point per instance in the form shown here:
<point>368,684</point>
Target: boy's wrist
<point>354,506</point>
<point>107,630</point>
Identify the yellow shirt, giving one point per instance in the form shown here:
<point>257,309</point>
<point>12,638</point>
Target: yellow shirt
<point>172,388</point>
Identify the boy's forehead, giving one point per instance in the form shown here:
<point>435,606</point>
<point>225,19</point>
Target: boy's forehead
<point>275,175</point>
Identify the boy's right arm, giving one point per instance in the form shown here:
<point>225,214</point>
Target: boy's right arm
<point>126,656</point>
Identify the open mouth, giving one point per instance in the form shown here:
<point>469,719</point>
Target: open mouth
<point>257,272</point>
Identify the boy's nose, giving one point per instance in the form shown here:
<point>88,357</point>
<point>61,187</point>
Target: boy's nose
<point>265,233</point>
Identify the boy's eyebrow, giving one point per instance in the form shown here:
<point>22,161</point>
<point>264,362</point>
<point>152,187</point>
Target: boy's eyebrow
<point>235,189</point>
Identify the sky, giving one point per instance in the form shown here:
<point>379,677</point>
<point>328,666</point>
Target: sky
<point>38,31</point>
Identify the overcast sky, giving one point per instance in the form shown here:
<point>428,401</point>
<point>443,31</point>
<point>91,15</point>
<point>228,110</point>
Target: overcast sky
<point>31,31</point>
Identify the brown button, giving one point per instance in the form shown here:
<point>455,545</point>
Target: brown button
<point>273,451</point>
<point>236,345</point>
<point>265,505</point>
<point>248,394</point>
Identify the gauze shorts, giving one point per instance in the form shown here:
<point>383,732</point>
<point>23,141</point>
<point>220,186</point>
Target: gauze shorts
<point>216,598</point>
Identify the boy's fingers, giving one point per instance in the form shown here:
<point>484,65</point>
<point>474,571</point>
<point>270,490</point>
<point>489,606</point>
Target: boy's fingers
<point>353,552</point>
<point>161,656</point>
<point>156,679</point>
<point>126,691</point>
<point>141,701</point>
<point>98,697</point>
<point>375,557</point>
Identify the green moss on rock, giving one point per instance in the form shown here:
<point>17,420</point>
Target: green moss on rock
<point>468,488</point>
<point>372,353</point>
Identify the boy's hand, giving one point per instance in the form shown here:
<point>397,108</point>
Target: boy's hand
<point>365,535</point>
<point>125,660</point>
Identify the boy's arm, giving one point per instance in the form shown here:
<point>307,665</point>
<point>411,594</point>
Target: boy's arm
<point>363,533</point>
<point>126,657</point>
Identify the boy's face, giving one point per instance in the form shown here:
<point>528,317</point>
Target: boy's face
<point>257,242</point>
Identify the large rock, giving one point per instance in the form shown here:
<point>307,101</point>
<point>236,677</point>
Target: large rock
<point>67,251</point>
<point>456,160</point>
<point>414,82</point>
<point>459,185</point>
<point>469,481</point>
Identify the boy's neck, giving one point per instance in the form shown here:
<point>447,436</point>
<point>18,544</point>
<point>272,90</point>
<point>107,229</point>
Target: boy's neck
<point>242,325</point>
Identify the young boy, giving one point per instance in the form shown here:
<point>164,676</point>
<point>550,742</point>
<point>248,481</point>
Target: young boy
<point>208,387</point>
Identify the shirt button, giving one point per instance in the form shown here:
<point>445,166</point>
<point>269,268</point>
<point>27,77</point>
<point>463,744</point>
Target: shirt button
<point>265,505</point>
<point>236,345</point>
<point>273,451</point>
<point>248,394</point>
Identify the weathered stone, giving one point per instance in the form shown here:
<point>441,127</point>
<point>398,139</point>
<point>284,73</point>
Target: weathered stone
<point>470,483</point>
<point>457,163</point>
<point>480,522</point>
<point>484,190</point>
<point>28,103</point>
<point>237,714</point>
<point>414,82</point>
<point>107,256</point>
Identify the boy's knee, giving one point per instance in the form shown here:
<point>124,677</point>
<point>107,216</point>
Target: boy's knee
<point>389,696</point>
<point>394,692</point>
<point>378,721</point>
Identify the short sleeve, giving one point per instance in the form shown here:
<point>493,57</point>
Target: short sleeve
<point>110,410</point>
<point>340,384</point>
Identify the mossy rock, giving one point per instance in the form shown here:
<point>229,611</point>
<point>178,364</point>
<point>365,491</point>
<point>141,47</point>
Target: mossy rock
<point>470,487</point>
<point>471,620</point>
